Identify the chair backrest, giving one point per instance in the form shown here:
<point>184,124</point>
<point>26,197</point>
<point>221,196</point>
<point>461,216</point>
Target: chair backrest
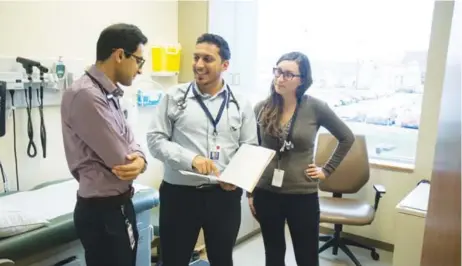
<point>352,173</point>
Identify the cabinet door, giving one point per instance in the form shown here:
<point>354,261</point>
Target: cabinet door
<point>222,22</point>
<point>247,220</point>
<point>236,21</point>
<point>245,51</point>
<point>245,75</point>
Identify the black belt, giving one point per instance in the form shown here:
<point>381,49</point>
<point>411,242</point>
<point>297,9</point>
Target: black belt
<point>109,201</point>
<point>207,186</point>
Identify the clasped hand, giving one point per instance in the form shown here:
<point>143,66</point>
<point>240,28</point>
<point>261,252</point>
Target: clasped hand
<point>131,170</point>
<point>206,166</point>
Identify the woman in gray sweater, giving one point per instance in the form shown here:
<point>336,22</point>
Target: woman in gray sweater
<point>288,122</point>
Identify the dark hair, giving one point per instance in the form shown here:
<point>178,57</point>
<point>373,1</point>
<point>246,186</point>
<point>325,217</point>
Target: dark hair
<point>116,36</point>
<point>272,108</point>
<point>217,40</point>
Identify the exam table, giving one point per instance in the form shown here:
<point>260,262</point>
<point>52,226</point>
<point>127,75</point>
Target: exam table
<point>56,243</point>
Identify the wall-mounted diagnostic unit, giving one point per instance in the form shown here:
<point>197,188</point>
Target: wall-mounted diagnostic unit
<point>31,85</point>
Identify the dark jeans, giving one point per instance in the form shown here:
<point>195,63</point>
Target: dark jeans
<point>185,210</point>
<point>101,227</point>
<point>301,211</point>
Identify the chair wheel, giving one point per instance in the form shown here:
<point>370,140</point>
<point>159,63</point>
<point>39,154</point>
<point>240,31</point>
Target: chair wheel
<point>375,255</point>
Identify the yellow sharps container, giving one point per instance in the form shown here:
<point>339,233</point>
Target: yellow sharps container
<point>166,58</point>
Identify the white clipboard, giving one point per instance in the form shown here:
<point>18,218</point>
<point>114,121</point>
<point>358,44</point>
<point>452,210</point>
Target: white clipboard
<point>245,168</point>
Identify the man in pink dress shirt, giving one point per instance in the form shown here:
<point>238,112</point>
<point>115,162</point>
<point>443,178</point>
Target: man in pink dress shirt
<point>101,150</point>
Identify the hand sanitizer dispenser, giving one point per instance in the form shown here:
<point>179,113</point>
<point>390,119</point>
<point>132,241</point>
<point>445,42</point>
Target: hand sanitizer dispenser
<point>60,68</point>
<point>2,108</point>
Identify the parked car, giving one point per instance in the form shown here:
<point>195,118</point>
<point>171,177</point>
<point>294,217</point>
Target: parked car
<point>352,113</point>
<point>409,118</point>
<point>330,97</point>
<point>382,116</point>
<point>384,147</point>
<point>354,95</point>
<point>367,95</point>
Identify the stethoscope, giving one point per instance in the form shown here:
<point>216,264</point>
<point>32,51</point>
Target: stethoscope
<point>182,102</point>
<point>109,96</point>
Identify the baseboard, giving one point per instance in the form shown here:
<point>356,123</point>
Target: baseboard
<point>248,236</point>
<point>363,240</point>
<point>325,230</point>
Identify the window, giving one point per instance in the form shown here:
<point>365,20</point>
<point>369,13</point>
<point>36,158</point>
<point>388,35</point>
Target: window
<point>368,61</point>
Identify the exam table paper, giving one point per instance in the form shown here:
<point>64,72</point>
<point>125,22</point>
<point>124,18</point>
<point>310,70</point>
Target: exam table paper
<point>49,202</point>
<point>245,168</point>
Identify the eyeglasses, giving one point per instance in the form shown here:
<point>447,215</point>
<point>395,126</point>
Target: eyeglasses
<point>139,60</point>
<point>277,72</point>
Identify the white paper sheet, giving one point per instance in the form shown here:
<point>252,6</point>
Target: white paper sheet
<point>245,168</point>
<point>211,177</point>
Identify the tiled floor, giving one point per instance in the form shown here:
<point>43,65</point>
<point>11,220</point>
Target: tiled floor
<point>251,253</point>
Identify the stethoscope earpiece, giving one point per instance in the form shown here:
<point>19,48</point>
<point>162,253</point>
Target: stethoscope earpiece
<point>182,103</point>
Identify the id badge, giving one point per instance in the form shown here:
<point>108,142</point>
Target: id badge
<point>215,153</point>
<point>131,235</point>
<point>278,177</point>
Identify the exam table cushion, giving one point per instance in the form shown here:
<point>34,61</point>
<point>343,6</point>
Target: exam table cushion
<point>59,213</point>
<point>29,210</point>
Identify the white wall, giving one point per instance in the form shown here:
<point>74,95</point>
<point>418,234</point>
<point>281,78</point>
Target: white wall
<point>70,29</point>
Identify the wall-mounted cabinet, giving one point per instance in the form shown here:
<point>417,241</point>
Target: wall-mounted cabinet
<point>236,21</point>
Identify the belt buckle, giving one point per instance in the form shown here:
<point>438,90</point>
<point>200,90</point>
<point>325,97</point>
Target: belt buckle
<point>204,186</point>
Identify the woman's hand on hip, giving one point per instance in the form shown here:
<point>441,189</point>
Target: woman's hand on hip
<point>315,172</point>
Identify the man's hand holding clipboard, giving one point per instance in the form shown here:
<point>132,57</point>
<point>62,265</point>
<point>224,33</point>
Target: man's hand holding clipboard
<point>244,170</point>
<point>206,166</point>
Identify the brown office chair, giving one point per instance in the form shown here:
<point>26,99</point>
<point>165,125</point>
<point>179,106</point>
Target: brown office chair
<point>351,175</point>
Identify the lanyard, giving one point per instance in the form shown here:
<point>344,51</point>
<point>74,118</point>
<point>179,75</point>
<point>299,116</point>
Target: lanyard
<point>287,145</point>
<point>207,112</point>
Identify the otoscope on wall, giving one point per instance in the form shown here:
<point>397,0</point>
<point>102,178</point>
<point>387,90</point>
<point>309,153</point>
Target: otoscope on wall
<point>28,65</point>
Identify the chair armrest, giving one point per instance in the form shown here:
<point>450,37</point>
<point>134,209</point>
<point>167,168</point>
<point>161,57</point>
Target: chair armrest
<point>6,262</point>
<point>379,191</point>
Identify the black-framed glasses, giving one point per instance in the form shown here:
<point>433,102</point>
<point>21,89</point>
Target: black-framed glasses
<point>277,72</point>
<point>139,60</point>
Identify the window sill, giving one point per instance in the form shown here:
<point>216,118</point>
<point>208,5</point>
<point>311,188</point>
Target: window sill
<point>392,166</point>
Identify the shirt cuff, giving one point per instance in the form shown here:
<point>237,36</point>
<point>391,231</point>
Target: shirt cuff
<point>326,172</point>
<point>186,159</point>
<point>145,164</point>
<point>141,154</point>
